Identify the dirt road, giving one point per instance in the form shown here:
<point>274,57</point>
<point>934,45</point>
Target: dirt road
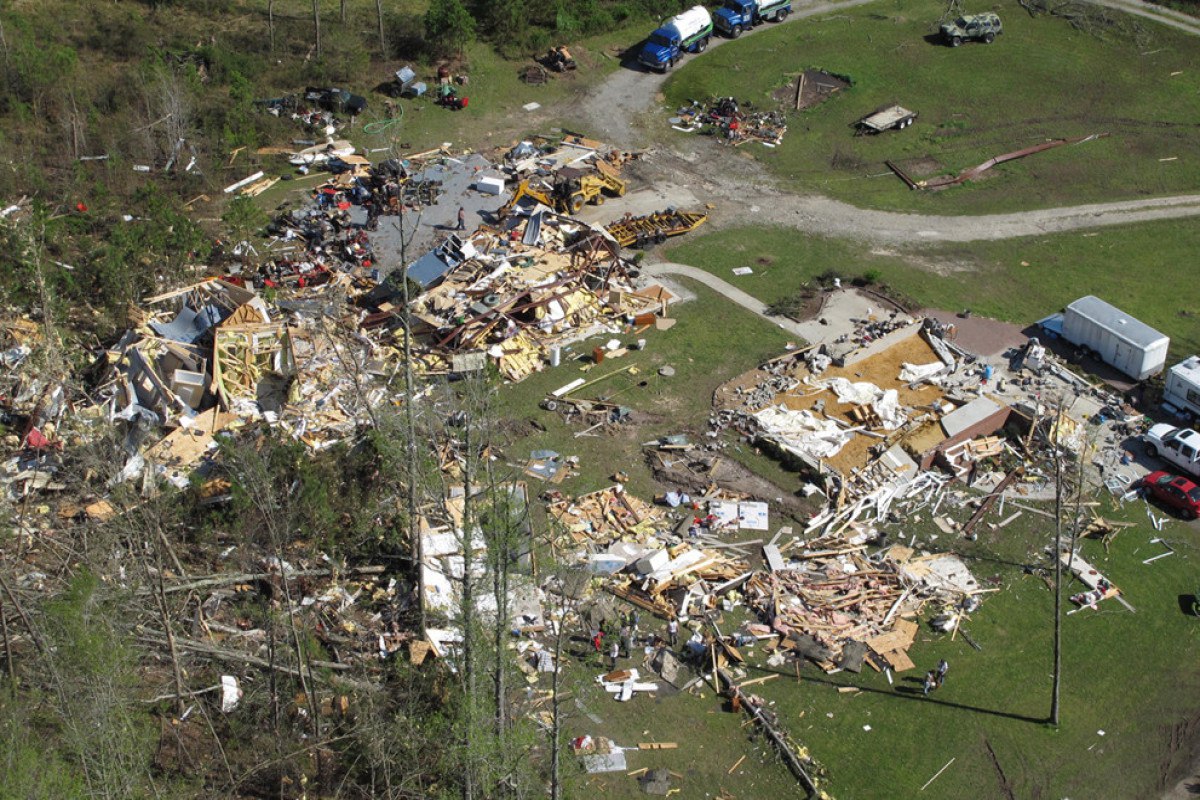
<point>616,111</point>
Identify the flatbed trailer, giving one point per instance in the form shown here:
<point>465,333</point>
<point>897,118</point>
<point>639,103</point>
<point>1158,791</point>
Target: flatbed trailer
<point>890,118</point>
<point>654,228</point>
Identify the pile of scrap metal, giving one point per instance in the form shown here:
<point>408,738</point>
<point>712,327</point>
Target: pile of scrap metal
<point>726,117</point>
<point>631,231</point>
<point>33,410</point>
<point>544,157</point>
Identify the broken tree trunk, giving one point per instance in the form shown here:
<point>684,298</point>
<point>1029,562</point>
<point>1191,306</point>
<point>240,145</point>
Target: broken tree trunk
<point>247,577</point>
<point>777,737</point>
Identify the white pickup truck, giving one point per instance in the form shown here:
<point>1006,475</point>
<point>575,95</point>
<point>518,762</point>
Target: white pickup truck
<point>1179,447</point>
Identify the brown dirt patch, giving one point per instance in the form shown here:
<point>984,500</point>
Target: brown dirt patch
<point>920,167</point>
<point>696,472</point>
<point>818,87</point>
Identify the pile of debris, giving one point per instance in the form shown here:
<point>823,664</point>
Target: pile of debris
<point>726,118</point>
<point>656,228</point>
<point>833,605</point>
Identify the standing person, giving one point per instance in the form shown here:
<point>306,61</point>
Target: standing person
<point>673,632</point>
<point>597,638</point>
<point>942,668</point>
<point>627,640</point>
<point>462,218</point>
<point>634,619</point>
<point>930,681</point>
<point>614,653</point>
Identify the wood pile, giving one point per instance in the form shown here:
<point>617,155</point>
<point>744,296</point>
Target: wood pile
<point>835,596</point>
<point>605,516</point>
<point>695,587</point>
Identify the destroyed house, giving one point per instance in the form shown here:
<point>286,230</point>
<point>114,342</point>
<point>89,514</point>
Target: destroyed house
<point>878,411</point>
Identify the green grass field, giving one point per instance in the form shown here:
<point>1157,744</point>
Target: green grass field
<point>1144,269</point>
<point>1040,80</point>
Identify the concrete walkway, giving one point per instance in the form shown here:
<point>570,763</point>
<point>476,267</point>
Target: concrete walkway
<point>840,309</point>
<point>725,290</point>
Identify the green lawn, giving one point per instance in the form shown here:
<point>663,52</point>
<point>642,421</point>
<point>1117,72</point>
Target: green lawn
<point>1040,80</point>
<point>1145,269</point>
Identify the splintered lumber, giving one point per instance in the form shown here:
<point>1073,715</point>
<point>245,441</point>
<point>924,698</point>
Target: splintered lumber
<point>658,609</point>
<point>939,772</point>
<point>657,745</point>
<point>990,500</point>
<point>763,679</point>
<point>736,764</point>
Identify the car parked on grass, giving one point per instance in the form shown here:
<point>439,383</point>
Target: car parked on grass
<point>979,27</point>
<point>1173,490</point>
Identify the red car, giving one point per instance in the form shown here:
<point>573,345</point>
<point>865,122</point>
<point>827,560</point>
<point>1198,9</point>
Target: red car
<point>1174,491</point>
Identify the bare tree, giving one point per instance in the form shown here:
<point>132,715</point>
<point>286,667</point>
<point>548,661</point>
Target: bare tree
<point>1064,493</point>
<point>271,22</point>
<point>317,26</point>
<point>379,19</point>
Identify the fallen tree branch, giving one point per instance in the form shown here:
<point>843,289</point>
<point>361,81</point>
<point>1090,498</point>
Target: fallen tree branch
<point>237,655</point>
<point>247,577</point>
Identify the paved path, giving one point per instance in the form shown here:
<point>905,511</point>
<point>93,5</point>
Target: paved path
<point>724,289</point>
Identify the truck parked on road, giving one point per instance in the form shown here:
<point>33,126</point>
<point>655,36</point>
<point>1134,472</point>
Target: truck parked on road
<point>1110,335</point>
<point>1179,447</point>
<point>737,16</point>
<point>688,32</point>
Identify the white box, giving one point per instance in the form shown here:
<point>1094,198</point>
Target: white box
<point>490,185</point>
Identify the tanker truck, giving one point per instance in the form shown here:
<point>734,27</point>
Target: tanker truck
<point>742,15</point>
<point>688,32</point>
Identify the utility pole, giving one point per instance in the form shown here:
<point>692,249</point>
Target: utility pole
<point>1058,526</point>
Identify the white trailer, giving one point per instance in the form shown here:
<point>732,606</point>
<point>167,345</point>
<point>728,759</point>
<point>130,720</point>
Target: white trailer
<point>1182,389</point>
<point>1115,338</point>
